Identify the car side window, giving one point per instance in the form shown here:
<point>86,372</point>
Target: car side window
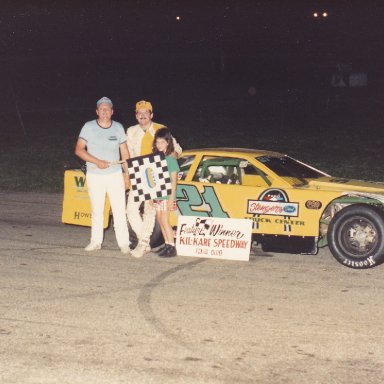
<point>253,177</point>
<point>219,170</point>
<point>229,170</point>
<point>185,163</point>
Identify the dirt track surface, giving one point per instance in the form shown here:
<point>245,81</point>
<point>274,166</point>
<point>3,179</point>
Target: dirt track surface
<point>67,316</point>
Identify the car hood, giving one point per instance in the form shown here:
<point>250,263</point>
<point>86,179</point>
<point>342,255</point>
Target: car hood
<point>349,187</point>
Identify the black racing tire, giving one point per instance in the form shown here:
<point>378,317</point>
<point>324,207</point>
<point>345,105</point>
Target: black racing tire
<point>356,236</point>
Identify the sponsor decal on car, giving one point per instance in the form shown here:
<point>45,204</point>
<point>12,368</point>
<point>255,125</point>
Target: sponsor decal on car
<point>267,220</point>
<point>273,202</point>
<point>273,195</point>
<point>80,184</point>
<point>81,215</point>
<point>313,204</point>
<point>272,208</point>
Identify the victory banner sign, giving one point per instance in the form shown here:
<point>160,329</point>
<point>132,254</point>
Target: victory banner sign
<point>214,237</point>
<point>149,177</point>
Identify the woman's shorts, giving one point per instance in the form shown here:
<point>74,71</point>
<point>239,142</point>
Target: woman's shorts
<point>162,205</point>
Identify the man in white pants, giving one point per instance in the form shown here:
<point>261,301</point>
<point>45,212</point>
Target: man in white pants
<point>140,140</point>
<point>101,144</point>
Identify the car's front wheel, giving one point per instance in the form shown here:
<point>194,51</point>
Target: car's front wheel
<point>356,236</point>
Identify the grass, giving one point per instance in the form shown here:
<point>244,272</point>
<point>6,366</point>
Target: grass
<point>344,144</point>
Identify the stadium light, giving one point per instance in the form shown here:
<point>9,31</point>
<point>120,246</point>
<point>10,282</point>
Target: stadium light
<point>323,14</point>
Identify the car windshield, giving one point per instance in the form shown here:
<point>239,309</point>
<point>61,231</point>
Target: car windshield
<point>285,166</point>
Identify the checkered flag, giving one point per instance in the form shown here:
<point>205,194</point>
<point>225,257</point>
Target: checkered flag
<point>149,177</point>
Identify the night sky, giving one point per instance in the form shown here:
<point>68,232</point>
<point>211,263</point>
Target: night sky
<point>38,28</point>
<point>58,54</point>
<point>268,28</point>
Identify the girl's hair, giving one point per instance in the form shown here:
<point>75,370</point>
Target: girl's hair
<point>163,133</point>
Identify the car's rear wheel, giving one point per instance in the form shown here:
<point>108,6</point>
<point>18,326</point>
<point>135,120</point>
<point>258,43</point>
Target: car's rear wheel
<point>356,236</point>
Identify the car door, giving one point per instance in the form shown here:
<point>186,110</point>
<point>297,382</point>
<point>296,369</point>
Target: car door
<point>236,187</point>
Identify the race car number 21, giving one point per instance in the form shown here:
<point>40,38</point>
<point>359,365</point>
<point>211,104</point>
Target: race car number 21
<point>191,202</point>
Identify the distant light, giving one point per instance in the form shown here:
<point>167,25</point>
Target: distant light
<point>318,14</point>
<point>178,18</point>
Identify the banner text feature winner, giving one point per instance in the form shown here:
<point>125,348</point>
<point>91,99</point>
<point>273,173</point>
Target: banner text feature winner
<point>214,237</point>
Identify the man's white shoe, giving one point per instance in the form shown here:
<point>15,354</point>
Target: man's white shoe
<point>92,247</point>
<point>125,249</point>
<point>139,251</point>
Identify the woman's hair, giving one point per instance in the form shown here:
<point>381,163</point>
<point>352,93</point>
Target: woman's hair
<point>163,133</point>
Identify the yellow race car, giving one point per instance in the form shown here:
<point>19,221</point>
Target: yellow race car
<point>294,207</point>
